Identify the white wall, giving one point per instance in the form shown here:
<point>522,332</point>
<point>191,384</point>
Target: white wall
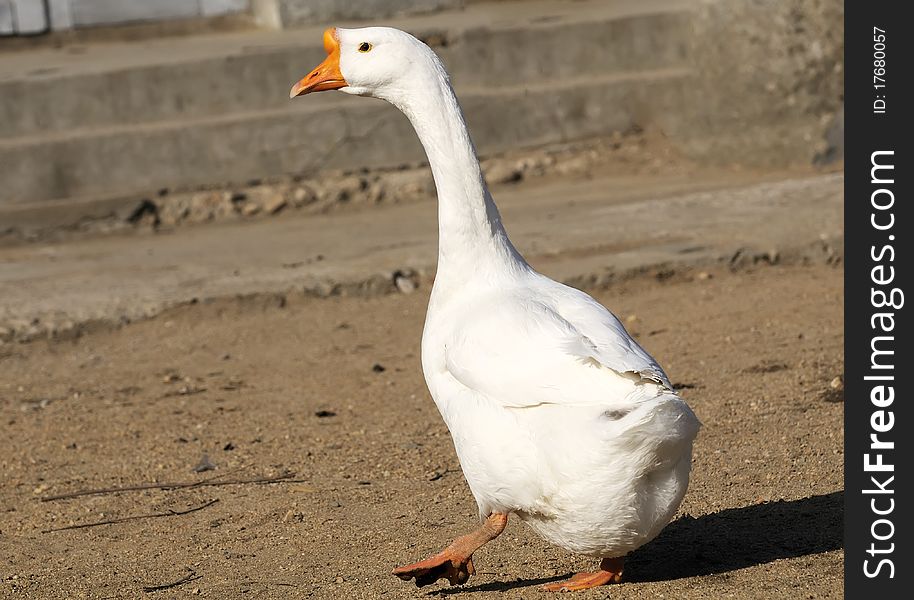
<point>34,16</point>
<point>22,16</point>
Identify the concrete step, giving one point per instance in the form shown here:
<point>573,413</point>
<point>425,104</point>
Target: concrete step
<point>156,80</point>
<point>118,119</point>
<point>304,139</point>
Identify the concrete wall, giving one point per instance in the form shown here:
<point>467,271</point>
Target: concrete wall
<point>294,13</point>
<point>22,17</point>
<point>158,126</point>
<point>37,16</point>
<point>769,81</point>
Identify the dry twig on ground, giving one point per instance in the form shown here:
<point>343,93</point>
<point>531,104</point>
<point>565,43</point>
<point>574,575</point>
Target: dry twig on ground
<point>191,576</point>
<point>214,481</point>
<point>168,513</point>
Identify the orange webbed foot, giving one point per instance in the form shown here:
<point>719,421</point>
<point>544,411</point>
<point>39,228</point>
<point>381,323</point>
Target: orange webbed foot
<point>455,563</point>
<point>610,572</point>
<point>446,565</point>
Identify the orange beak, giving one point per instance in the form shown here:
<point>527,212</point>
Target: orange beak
<point>327,75</point>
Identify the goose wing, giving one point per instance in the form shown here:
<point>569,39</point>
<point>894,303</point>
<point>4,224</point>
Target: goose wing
<point>525,352</point>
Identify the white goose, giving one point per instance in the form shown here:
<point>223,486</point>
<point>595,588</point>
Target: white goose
<point>558,416</point>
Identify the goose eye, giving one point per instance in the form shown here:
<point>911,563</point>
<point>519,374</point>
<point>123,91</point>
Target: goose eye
<point>364,47</point>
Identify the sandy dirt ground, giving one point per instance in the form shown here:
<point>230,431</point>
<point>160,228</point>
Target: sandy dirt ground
<point>331,392</point>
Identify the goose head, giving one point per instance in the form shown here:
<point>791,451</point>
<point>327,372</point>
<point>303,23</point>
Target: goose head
<point>380,62</point>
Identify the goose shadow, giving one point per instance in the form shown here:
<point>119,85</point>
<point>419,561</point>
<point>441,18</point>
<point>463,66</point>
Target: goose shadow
<point>731,539</point>
<point>496,586</point>
<point>737,538</point>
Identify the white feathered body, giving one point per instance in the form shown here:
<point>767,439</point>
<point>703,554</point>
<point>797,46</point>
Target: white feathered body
<point>557,414</point>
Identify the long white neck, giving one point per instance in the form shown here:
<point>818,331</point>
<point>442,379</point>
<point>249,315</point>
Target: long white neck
<point>471,238</point>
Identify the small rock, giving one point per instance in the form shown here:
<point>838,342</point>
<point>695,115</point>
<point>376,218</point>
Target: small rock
<point>225,204</point>
<point>502,172</point>
<point>339,580</point>
<point>573,166</point>
<point>303,195</point>
<point>835,391</point>
<point>704,275</point>
<point>378,368</point>
<point>274,204</point>
<point>293,516</point>
<point>228,447</point>
<point>250,209</point>
<point>531,164</point>
<point>324,413</point>
<point>376,192</point>
<point>204,465</point>
<point>205,206</point>
<point>344,189</point>
<point>173,211</point>
<point>404,282</point>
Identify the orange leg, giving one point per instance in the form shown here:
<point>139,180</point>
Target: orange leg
<point>454,563</point>
<point>610,572</point>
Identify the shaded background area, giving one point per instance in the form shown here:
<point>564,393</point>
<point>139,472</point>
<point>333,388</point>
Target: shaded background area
<point>184,94</point>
